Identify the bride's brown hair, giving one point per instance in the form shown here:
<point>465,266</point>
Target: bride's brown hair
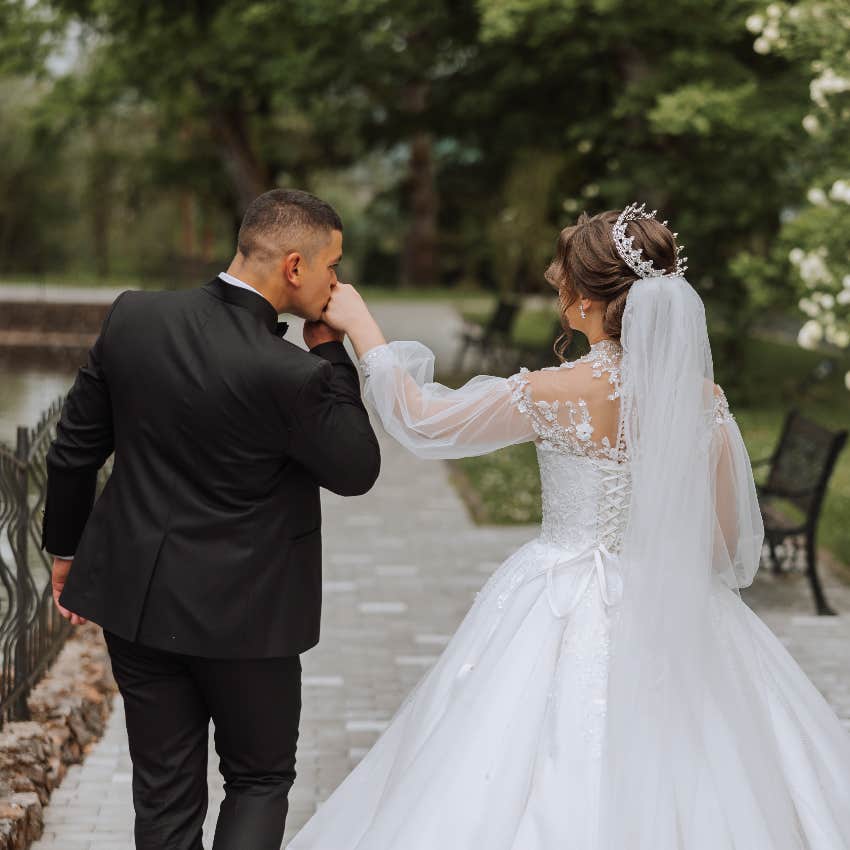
<point>587,265</point>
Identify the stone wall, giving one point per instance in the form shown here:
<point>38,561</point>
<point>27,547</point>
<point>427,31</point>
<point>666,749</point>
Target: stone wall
<point>45,334</point>
<point>69,709</point>
<point>52,316</point>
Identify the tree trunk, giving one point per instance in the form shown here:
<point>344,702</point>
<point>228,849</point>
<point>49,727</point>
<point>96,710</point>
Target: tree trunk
<point>249,175</point>
<point>419,255</point>
<point>419,260</point>
<point>101,177</point>
<point>207,242</point>
<point>188,227</point>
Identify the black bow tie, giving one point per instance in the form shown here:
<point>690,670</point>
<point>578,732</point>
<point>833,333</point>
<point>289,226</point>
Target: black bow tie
<point>281,328</point>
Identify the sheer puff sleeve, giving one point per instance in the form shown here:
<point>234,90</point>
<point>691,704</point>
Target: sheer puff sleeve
<point>434,421</point>
<point>739,530</point>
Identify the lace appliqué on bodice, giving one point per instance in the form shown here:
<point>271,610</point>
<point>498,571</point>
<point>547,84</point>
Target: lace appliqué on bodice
<point>575,435</point>
<point>721,407</point>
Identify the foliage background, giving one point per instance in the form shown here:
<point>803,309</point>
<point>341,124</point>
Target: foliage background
<point>456,139</point>
<point>459,136</point>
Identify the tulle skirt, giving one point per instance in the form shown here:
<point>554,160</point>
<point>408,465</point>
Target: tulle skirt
<point>501,744</point>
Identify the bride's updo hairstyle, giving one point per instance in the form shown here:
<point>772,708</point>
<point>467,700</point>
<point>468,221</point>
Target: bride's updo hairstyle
<point>587,265</point>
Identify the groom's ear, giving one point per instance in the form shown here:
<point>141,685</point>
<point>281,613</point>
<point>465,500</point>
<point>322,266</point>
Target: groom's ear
<point>291,268</point>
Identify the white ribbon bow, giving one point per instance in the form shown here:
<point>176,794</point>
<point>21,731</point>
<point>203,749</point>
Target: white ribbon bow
<point>601,554</point>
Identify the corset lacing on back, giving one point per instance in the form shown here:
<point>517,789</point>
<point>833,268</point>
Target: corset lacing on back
<point>586,484</point>
<point>585,513</point>
<point>613,506</point>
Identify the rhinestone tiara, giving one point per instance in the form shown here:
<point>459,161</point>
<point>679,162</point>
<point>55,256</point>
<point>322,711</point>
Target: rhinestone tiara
<point>633,257</point>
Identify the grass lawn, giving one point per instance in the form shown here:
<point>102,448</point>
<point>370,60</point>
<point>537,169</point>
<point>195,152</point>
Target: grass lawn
<point>504,487</point>
<point>469,301</point>
<point>82,280</point>
<point>533,327</point>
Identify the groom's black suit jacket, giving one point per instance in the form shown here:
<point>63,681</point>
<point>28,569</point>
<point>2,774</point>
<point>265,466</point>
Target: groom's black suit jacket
<point>206,539</point>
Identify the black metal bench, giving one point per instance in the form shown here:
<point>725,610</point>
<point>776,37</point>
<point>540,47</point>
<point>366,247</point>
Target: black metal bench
<point>792,495</point>
<point>492,340</point>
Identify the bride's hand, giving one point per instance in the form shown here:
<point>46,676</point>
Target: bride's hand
<point>347,311</point>
<point>346,308</point>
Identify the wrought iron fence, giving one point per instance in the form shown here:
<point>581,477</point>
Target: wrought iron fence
<point>31,629</point>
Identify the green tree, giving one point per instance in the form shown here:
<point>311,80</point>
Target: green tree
<point>32,188</point>
<point>25,42</point>
<point>815,238</point>
<point>666,102</point>
<point>33,192</point>
<point>218,77</point>
<point>275,92</point>
<point>465,113</point>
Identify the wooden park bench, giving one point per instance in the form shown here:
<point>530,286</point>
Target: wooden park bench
<point>792,495</point>
<point>492,340</point>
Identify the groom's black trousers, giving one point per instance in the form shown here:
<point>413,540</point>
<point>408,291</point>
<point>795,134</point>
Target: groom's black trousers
<point>169,700</point>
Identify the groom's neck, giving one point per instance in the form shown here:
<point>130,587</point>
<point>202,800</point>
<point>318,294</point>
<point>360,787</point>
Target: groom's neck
<point>258,278</point>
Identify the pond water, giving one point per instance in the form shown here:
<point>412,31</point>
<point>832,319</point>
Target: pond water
<point>24,394</point>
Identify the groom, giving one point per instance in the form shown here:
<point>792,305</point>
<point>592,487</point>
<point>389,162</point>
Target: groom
<point>201,560</point>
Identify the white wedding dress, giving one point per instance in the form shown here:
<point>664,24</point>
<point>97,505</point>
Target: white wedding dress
<point>501,745</point>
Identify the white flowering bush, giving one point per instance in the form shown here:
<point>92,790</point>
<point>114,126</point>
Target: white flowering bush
<point>817,234</point>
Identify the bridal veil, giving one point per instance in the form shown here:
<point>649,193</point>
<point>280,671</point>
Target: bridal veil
<point>691,758</point>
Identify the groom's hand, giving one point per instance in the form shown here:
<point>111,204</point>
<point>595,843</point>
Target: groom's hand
<point>315,333</point>
<point>61,568</point>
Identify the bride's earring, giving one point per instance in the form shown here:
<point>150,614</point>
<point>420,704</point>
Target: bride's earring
<point>581,310</point>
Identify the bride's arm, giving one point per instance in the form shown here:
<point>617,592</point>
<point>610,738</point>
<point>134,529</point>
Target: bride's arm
<point>739,530</point>
<point>427,418</point>
<point>433,420</point>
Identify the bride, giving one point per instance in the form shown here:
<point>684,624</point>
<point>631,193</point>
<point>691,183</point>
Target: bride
<point>608,689</point>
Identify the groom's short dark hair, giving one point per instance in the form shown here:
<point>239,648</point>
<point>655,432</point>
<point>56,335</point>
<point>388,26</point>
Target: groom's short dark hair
<point>285,220</point>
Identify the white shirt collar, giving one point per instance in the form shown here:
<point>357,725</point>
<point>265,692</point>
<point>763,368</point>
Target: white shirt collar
<point>234,281</point>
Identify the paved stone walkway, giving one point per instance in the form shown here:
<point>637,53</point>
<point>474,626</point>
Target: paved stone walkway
<point>81,294</point>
